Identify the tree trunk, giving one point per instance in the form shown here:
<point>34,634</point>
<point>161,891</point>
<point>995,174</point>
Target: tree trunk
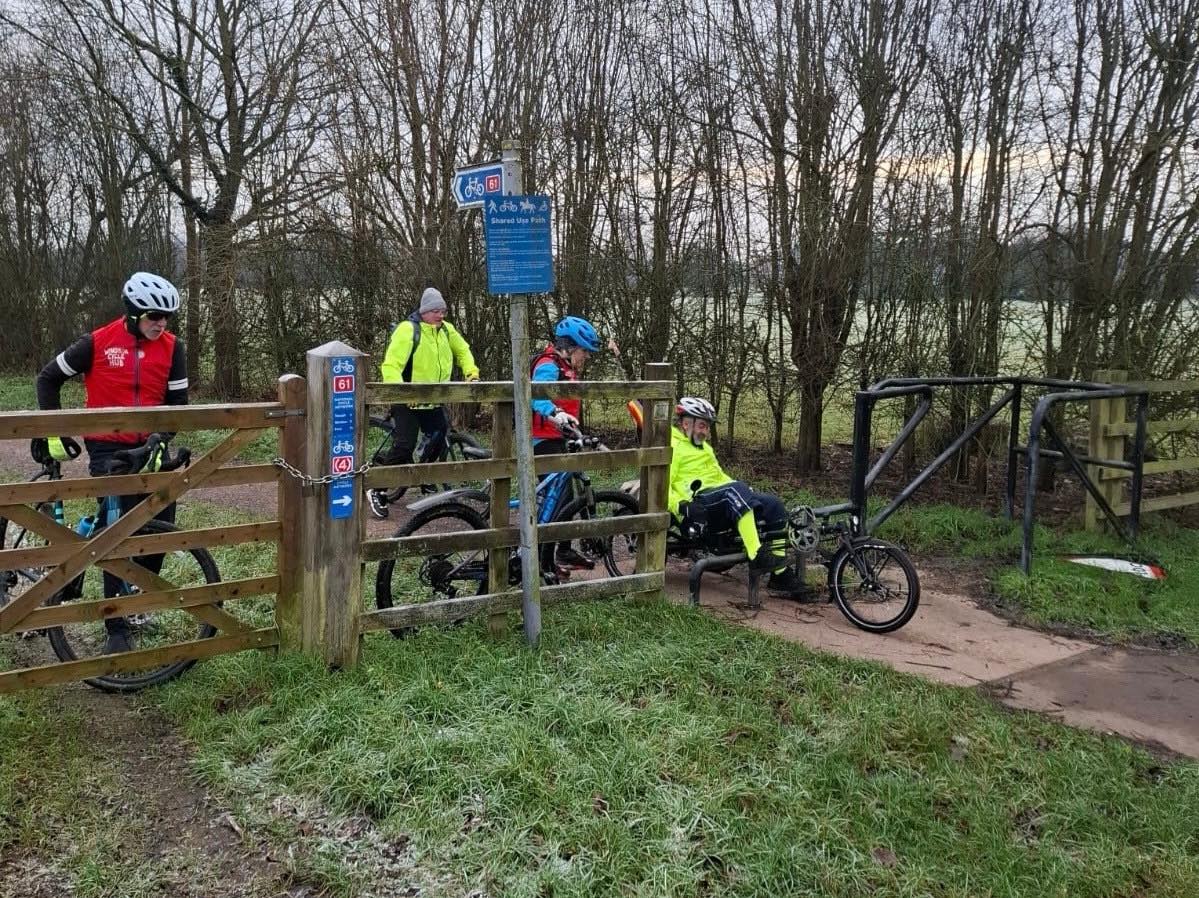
<point>193,273</point>
<point>220,276</point>
<point>811,418</point>
<point>731,427</point>
<point>192,279</point>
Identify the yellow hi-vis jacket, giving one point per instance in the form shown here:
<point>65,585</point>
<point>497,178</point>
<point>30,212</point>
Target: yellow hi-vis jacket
<point>689,463</point>
<point>439,348</point>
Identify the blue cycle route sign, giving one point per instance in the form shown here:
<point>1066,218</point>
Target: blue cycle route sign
<point>519,249</point>
<point>473,184</point>
<point>343,372</point>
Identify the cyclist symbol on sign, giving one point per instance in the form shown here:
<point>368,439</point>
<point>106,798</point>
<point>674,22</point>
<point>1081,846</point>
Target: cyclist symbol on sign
<point>343,366</point>
<point>343,447</point>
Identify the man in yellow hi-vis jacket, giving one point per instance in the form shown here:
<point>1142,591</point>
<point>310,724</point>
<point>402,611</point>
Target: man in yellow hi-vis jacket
<point>423,349</point>
<point>703,496</point>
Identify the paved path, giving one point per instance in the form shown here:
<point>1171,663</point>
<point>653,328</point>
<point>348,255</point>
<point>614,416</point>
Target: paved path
<point>1149,696</point>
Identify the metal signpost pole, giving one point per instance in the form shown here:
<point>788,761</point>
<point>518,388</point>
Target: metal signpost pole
<point>520,261</point>
<point>522,400</point>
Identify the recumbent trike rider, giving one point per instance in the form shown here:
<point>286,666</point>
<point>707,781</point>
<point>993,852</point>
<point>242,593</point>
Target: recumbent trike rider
<point>718,523</point>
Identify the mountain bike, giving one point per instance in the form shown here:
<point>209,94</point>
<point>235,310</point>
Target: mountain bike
<point>458,446</point>
<point>85,639</point>
<point>561,496</point>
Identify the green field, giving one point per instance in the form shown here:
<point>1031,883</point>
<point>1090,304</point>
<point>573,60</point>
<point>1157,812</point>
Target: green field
<point>643,750</point>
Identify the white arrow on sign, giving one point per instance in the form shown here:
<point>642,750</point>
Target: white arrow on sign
<point>342,500</point>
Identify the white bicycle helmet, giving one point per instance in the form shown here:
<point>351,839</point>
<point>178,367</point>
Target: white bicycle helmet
<point>694,407</point>
<point>145,292</point>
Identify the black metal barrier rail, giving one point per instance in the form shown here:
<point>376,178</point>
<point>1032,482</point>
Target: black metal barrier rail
<point>1033,452</point>
<point>864,475</point>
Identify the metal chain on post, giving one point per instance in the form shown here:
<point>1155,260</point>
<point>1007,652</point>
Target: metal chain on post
<point>305,479</point>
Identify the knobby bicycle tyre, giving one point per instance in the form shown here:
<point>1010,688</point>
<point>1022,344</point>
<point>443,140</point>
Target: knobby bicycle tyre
<point>436,576</point>
<point>84,640</point>
<point>618,553</point>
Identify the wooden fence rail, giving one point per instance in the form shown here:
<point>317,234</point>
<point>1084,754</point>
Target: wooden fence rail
<point>1109,429</point>
<point>148,419</point>
<point>507,537</point>
<point>149,544</point>
<point>65,554</point>
<point>456,609</point>
<point>491,392</point>
<point>317,580</point>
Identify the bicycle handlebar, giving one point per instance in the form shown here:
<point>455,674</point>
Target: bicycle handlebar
<point>577,441</point>
<point>131,461</point>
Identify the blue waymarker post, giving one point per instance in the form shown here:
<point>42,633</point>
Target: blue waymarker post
<point>330,569</point>
<point>343,372</point>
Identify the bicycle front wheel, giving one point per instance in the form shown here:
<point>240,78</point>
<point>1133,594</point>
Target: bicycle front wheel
<point>874,585</point>
<point>148,630</point>
<point>13,536</point>
<point>434,576</point>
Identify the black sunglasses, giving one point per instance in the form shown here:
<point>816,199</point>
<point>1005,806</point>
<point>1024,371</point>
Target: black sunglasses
<point>156,316</point>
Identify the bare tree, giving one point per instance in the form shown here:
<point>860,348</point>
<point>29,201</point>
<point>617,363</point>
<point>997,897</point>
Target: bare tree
<point>1118,108</point>
<point>235,85</point>
<point>77,212</point>
<point>826,88</point>
<point>979,78</point>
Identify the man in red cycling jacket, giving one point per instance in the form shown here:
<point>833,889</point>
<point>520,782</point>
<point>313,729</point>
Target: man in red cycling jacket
<point>130,362</point>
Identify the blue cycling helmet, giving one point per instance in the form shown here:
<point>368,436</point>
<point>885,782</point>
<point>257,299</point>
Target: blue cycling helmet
<point>579,331</point>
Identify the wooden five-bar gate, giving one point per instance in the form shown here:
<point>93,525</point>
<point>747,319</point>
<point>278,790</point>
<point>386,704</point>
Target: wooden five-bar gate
<point>1111,428</point>
<point>317,581</point>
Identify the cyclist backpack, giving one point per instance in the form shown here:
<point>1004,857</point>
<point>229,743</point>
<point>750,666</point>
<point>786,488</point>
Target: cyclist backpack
<point>406,375</point>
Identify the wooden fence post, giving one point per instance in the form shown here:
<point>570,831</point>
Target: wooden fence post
<point>1100,445</point>
<point>293,438</point>
<point>501,489</point>
<point>333,521</point>
<point>655,479</point>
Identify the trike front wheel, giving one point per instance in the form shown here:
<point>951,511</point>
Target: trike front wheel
<point>874,585</point>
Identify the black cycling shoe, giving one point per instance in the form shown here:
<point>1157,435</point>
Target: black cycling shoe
<point>117,643</point>
<point>571,560</point>
<point>787,584</point>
